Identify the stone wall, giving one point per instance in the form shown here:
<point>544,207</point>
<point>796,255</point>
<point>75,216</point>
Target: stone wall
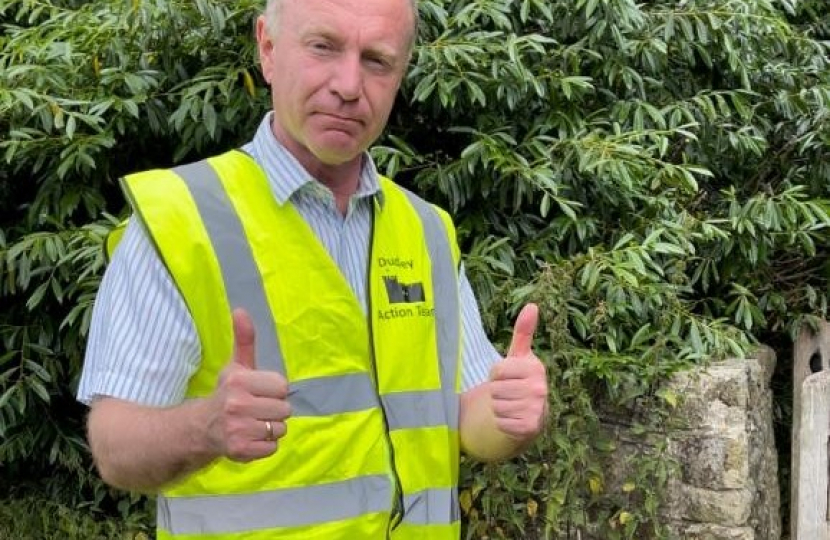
<point>727,484</point>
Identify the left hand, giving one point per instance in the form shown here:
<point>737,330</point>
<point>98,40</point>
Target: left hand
<point>518,383</point>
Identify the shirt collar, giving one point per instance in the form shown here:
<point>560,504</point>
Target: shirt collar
<point>287,176</point>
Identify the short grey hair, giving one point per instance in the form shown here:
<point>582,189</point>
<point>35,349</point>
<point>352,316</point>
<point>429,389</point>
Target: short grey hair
<point>273,8</point>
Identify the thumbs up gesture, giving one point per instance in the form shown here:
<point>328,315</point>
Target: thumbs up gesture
<point>249,407</point>
<point>518,383</point>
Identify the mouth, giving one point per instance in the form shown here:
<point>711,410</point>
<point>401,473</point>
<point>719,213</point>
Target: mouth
<point>339,119</point>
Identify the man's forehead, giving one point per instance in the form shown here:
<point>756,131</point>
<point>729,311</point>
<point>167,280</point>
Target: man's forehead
<point>382,28</point>
<point>388,13</point>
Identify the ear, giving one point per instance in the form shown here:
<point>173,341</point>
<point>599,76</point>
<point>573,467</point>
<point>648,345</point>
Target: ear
<point>265,46</point>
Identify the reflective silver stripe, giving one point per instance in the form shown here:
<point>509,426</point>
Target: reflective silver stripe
<point>324,396</point>
<point>445,292</point>
<point>432,507</point>
<point>444,288</point>
<point>240,274</point>
<point>406,410</point>
<point>294,507</point>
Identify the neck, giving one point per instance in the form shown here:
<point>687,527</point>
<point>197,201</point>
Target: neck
<point>342,179</point>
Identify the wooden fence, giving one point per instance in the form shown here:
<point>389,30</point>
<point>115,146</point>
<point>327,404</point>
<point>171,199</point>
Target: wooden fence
<point>810,513</point>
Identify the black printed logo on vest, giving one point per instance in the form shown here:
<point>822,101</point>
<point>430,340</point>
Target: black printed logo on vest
<point>403,293</point>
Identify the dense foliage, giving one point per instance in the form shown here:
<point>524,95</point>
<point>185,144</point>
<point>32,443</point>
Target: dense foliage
<point>655,175</point>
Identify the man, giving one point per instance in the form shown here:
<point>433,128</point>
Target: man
<point>275,347</point>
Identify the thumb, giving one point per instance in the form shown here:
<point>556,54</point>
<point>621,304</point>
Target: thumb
<point>523,331</point>
<point>244,351</point>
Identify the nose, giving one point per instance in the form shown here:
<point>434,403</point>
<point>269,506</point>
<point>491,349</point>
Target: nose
<point>347,79</point>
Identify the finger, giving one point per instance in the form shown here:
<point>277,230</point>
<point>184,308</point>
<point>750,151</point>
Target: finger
<point>267,384</point>
<point>244,352</point>
<point>528,368</point>
<point>519,428</point>
<point>511,389</point>
<point>251,405</point>
<point>509,409</point>
<point>279,429</point>
<point>523,331</point>
<point>270,409</point>
<point>249,440</point>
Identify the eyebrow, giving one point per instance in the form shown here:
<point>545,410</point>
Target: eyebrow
<point>318,30</point>
<point>325,32</point>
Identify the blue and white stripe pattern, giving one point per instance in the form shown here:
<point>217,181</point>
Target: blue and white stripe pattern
<point>143,346</point>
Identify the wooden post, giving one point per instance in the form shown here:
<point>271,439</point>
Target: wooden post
<point>812,480</point>
<point>810,492</point>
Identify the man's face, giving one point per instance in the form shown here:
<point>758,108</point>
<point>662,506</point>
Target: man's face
<point>334,67</point>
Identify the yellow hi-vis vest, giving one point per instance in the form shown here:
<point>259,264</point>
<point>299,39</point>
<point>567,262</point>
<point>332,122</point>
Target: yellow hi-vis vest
<point>372,446</point>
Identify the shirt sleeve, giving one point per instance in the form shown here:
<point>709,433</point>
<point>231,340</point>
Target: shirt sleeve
<point>143,346</point>
<point>478,354</point>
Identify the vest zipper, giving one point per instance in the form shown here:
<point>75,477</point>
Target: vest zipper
<point>398,509</point>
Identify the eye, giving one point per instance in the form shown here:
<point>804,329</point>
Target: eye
<point>378,63</point>
<point>321,46</point>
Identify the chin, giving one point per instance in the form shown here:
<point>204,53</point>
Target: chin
<point>337,161</point>
<point>339,156</point>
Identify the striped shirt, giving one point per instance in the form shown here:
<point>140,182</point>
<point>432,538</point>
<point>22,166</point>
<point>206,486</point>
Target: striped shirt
<point>143,346</point>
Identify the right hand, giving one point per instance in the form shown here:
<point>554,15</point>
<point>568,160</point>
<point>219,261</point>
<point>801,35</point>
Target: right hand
<point>245,400</point>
